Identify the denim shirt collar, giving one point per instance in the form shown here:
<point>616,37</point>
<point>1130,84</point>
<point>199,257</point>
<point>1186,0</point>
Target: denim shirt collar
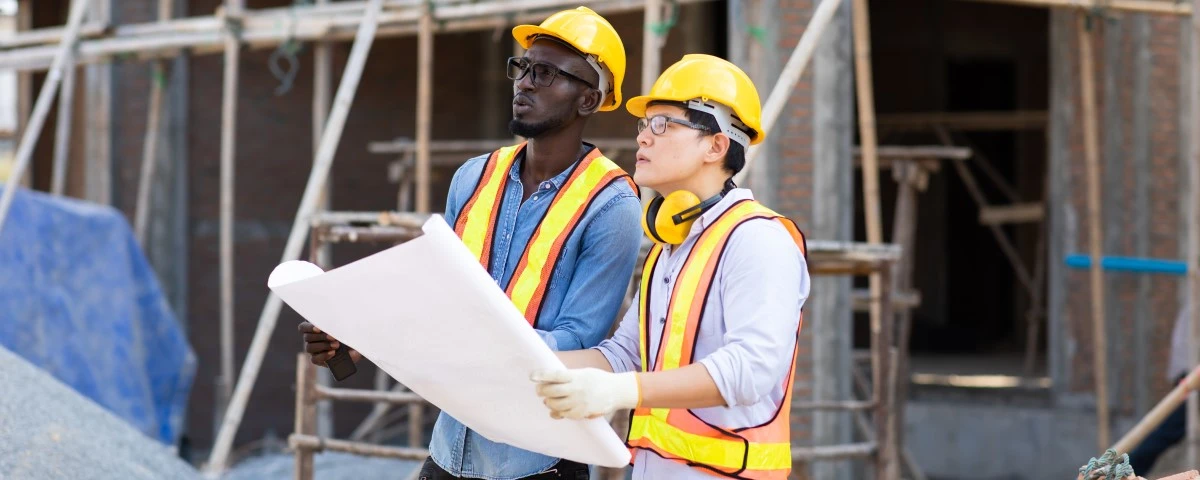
<point>514,173</point>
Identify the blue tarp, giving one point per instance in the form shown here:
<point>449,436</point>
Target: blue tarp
<point>79,300</point>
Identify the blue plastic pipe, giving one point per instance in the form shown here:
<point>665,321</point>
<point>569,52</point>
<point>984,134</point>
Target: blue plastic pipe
<point>1130,264</point>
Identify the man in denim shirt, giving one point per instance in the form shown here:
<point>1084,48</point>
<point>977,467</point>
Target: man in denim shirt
<point>553,203</point>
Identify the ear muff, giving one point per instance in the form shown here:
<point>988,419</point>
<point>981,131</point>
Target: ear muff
<point>669,219</point>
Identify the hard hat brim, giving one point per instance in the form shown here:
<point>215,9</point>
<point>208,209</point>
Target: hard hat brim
<point>524,35</point>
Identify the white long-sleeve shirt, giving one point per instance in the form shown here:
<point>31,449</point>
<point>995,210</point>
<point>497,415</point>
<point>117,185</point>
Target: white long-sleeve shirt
<point>748,332</point>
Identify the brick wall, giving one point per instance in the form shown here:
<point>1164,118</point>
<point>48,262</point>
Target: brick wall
<point>1158,294</point>
<point>794,171</point>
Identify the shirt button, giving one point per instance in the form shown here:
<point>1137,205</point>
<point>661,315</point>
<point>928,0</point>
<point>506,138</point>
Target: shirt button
<point>667,279</point>
<point>545,185</point>
<point>662,319</point>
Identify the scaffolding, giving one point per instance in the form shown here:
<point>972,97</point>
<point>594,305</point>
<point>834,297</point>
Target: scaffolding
<point>233,27</point>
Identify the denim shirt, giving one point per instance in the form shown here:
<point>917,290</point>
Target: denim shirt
<point>582,302</point>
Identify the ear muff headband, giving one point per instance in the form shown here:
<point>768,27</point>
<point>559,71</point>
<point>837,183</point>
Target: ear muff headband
<point>691,213</point>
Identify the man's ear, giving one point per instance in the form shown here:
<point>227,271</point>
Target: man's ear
<point>589,102</point>
<point>717,148</point>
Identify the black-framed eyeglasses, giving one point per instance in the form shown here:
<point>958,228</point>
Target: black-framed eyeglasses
<point>658,124</point>
<point>543,73</point>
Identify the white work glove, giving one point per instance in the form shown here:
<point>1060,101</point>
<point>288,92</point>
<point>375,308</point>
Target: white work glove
<point>586,392</point>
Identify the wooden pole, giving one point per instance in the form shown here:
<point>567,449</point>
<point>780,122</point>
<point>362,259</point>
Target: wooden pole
<point>98,133</point>
<point>158,83</point>
<point>870,173</point>
<point>883,376</point>
<point>34,128</point>
<point>651,44</point>
<point>233,11</point>
<point>1156,415</point>
<point>793,70</point>
<point>62,137</point>
<point>308,203</point>
<point>424,106</point>
<point>24,79</point>
<point>306,413</point>
<point>322,91</point>
<point>1092,163</point>
<point>1143,6</point>
<point>1193,232</point>
<point>910,177</point>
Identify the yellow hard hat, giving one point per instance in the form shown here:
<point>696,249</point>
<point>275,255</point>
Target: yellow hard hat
<point>710,84</point>
<point>591,34</point>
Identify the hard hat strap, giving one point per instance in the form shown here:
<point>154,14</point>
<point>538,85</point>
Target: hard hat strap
<point>601,73</point>
<point>725,119</point>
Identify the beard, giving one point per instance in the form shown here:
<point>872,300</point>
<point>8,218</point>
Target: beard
<point>537,129</point>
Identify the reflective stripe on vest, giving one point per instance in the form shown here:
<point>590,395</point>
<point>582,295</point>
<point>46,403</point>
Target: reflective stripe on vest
<point>760,452</point>
<point>476,224</point>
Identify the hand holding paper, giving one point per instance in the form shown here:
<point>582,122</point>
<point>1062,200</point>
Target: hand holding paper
<point>427,313</point>
<point>586,392</point>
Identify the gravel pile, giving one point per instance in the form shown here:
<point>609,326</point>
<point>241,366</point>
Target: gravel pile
<point>48,431</point>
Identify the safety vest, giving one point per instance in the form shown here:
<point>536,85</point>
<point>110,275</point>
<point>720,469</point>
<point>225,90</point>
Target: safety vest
<point>476,224</point>
<point>759,452</point>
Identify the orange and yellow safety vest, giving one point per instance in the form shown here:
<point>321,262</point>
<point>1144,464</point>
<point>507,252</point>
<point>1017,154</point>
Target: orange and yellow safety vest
<point>477,222</point>
<point>758,452</point>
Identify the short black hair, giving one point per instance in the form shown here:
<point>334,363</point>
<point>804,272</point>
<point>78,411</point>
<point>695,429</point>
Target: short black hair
<point>735,157</point>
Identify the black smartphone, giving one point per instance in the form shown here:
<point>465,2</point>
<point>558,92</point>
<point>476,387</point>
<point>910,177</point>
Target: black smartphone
<point>341,365</point>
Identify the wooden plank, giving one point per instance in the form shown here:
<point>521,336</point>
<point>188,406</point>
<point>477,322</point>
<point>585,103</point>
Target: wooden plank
<point>1145,6</point>
<point>965,121</point>
<point>158,83</point>
<point>98,149</point>
<point>233,9</point>
<point>880,325</point>
<point>901,299</point>
<point>41,109</point>
<point>651,43</point>
<point>306,413</point>
<point>904,233</point>
<point>24,79</point>
<point>401,146</point>
<point>203,35</point>
<point>884,379</point>
<point>149,151</point>
<point>311,442</point>
<point>308,203</point>
<point>918,152</point>
<point>1156,415</point>
<point>367,396</point>
<point>834,452</point>
<point>322,92</point>
<point>424,108</point>
<point>1017,213</point>
<point>1092,164</point>
<point>62,135</point>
